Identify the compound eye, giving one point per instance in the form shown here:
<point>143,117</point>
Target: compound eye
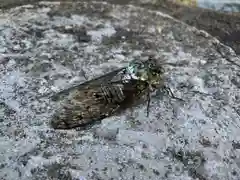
<point>150,66</point>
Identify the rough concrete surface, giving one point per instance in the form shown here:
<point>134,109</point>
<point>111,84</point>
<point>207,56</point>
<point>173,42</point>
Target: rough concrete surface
<point>50,46</point>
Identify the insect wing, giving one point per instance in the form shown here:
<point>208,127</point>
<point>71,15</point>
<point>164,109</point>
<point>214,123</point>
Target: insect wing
<point>104,79</point>
<point>88,104</point>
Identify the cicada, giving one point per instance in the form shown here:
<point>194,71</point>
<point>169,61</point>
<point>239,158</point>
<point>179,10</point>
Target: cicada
<point>104,96</point>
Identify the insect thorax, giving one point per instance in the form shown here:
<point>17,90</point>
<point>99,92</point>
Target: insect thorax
<point>136,71</point>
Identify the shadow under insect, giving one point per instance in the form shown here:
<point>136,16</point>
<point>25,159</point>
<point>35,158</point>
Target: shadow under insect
<point>108,95</point>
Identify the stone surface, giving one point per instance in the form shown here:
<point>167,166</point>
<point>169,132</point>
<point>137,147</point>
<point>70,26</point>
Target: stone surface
<point>50,46</point>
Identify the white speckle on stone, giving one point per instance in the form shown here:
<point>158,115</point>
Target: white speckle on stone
<point>49,3</point>
<point>55,89</point>
<point>90,49</point>
<point>79,20</point>
<point>152,30</point>
<point>198,84</point>
<point>44,10</point>
<point>17,47</point>
<point>104,32</point>
<point>42,90</point>
<point>75,79</point>
<point>203,62</point>
<point>119,57</point>
<point>11,63</point>
<point>137,53</point>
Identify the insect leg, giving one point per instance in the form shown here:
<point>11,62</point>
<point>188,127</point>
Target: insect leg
<point>148,102</point>
<point>169,91</point>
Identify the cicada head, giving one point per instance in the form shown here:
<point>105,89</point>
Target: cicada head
<point>149,71</point>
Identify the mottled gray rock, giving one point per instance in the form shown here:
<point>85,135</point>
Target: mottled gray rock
<point>48,47</point>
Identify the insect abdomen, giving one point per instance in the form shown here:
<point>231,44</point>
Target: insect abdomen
<point>113,94</point>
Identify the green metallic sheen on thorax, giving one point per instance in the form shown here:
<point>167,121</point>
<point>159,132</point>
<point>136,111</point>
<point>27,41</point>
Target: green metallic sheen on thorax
<point>145,71</point>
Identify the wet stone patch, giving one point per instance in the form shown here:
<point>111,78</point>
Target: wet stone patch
<point>48,47</point>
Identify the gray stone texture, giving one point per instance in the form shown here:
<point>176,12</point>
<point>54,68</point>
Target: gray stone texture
<point>50,46</point>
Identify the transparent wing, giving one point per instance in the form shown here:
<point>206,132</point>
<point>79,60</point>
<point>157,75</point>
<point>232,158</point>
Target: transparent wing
<point>92,103</point>
<point>105,79</point>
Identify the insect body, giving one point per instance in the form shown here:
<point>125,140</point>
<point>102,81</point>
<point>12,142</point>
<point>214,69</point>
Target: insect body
<point>107,95</point>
